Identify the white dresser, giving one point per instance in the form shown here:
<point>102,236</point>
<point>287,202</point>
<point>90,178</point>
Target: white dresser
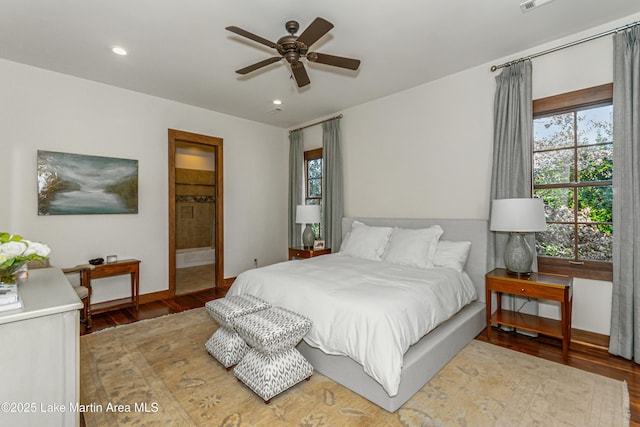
<point>40,353</point>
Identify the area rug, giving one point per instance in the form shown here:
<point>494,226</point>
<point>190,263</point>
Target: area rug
<point>157,373</point>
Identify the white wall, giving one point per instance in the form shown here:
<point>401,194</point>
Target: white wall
<point>427,151</point>
<point>44,110</point>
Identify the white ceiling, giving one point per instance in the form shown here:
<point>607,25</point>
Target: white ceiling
<point>180,50</point>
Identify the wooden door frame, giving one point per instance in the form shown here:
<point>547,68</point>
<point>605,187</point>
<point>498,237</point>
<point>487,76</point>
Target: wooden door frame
<point>194,138</point>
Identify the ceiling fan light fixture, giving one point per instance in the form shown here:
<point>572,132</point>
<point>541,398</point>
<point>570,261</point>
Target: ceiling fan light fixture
<point>292,57</point>
<point>277,102</point>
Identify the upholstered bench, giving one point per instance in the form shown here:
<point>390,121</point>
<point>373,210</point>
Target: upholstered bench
<point>225,344</point>
<point>272,364</point>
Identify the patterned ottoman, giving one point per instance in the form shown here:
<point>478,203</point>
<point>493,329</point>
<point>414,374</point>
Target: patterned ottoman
<point>273,364</point>
<point>225,344</point>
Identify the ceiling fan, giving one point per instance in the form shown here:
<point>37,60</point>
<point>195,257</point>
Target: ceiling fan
<point>293,48</point>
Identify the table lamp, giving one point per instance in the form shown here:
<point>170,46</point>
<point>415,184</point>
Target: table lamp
<point>308,214</point>
<point>518,217</point>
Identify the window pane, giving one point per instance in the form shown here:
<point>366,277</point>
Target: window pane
<point>595,163</point>
<point>553,131</point>
<point>595,125</point>
<point>558,203</point>
<point>595,243</point>
<point>315,188</point>
<point>553,167</point>
<point>315,168</point>
<point>556,242</point>
<point>595,204</point>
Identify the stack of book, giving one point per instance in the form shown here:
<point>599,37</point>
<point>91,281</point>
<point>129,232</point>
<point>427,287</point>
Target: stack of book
<point>9,298</point>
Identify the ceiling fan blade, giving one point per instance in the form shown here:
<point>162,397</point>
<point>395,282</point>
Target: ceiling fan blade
<point>252,36</point>
<point>300,74</point>
<point>318,28</point>
<point>257,65</point>
<point>336,61</point>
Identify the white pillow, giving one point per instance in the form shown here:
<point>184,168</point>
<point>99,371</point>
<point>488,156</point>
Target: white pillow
<point>452,254</point>
<point>411,247</point>
<point>366,242</point>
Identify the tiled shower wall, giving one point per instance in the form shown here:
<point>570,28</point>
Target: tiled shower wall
<point>195,208</point>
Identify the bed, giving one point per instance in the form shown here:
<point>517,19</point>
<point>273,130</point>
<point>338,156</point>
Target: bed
<point>387,376</point>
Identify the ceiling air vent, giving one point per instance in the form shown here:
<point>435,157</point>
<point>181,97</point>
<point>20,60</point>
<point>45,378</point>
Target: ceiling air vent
<point>529,5</point>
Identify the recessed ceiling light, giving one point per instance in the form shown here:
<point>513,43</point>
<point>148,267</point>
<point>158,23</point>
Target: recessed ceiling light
<point>277,102</point>
<point>119,51</point>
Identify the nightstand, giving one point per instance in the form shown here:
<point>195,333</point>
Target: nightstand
<point>299,252</point>
<point>538,285</point>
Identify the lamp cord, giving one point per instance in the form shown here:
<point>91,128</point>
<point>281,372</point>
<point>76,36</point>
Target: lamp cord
<point>523,304</point>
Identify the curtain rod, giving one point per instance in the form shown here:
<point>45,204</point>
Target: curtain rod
<point>339,116</point>
<point>564,46</point>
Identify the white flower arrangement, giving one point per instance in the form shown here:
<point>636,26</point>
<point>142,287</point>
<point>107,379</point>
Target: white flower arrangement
<point>15,251</point>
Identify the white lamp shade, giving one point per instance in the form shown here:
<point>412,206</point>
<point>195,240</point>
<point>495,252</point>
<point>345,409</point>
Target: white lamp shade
<point>518,215</point>
<point>308,214</point>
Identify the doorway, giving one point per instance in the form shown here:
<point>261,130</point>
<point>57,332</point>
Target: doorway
<point>196,234</point>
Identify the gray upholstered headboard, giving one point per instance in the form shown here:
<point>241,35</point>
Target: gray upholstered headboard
<point>472,230</point>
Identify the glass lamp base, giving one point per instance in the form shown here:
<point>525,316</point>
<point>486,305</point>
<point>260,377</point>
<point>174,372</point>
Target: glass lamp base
<point>518,256</point>
<point>308,236</point>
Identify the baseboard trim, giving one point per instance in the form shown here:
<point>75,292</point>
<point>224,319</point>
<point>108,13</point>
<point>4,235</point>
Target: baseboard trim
<point>154,296</point>
<point>590,339</point>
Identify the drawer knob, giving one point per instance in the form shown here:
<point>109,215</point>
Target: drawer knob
<point>522,290</point>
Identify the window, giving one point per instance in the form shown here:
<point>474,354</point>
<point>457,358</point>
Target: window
<point>313,176</point>
<point>572,173</point>
<point>313,182</point>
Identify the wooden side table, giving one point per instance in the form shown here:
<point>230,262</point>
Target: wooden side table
<point>300,252</point>
<point>126,266</point>
<point>538,285</point>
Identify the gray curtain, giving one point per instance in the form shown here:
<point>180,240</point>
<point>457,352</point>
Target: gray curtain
<point>512,152</point>
<point>333,197</point>
<point>296,164</point>
<point>625,309</point>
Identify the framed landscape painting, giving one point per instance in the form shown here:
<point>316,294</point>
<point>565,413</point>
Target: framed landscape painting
<point>74,184</point>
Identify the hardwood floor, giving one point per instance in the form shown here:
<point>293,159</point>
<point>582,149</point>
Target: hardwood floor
<point>592,358</point>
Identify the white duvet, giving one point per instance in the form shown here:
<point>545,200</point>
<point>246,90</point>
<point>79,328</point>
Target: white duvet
<point>371,311</point>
